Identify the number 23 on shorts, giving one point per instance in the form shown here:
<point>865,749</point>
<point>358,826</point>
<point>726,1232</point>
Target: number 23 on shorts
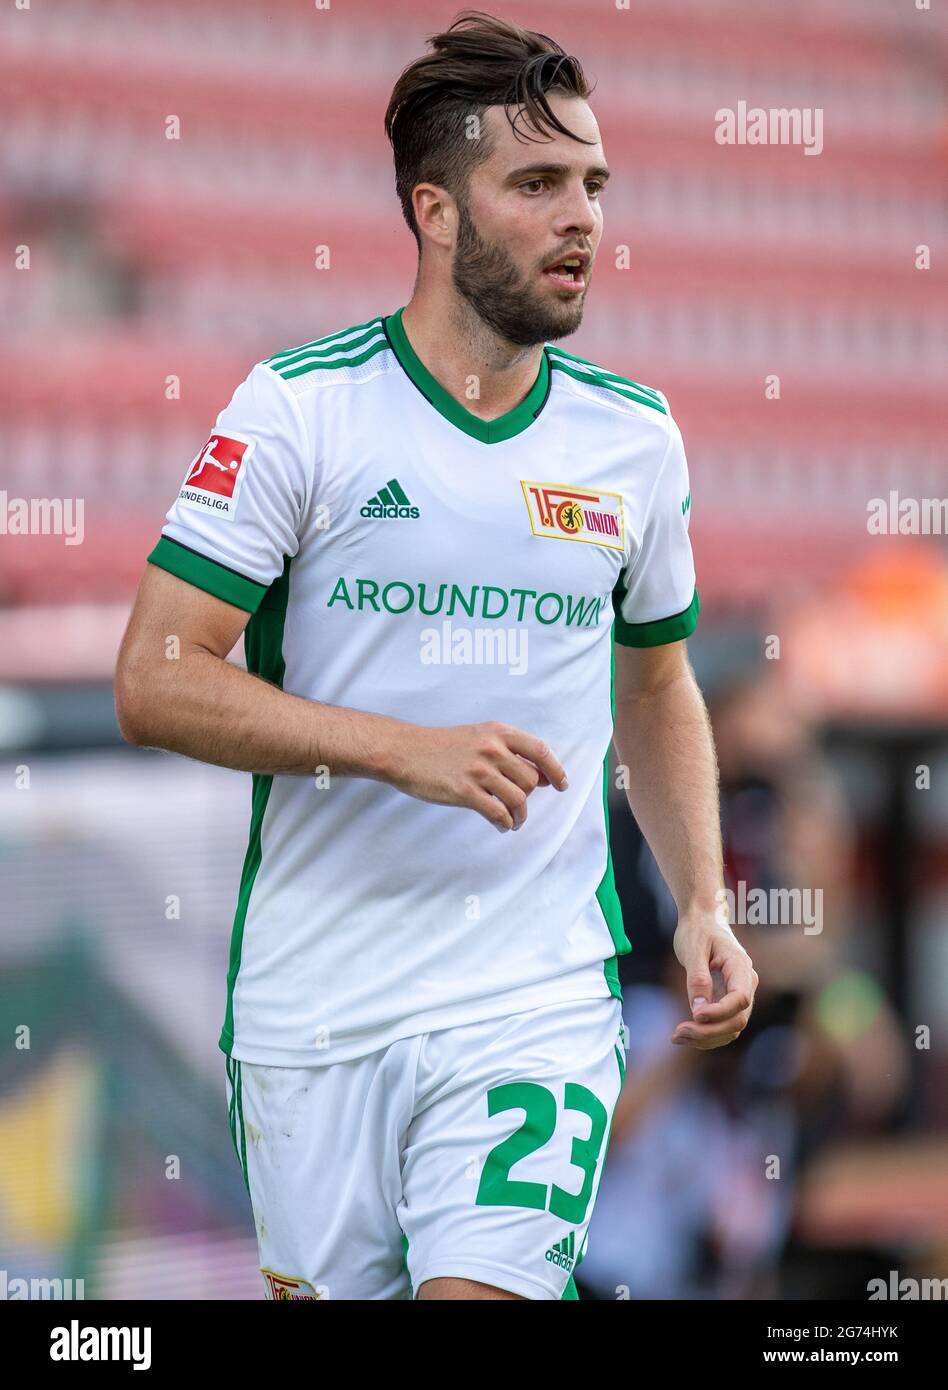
<point>497,1188</point>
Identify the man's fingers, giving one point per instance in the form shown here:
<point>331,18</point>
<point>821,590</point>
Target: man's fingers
<point>538,753</point>
<point>700,987</point>
<point>733,969</point>
<point>737,969</point>
<point>715,963</point>
<point>735,1002</point>
<point>513,799</point>
<point>491,808</point>
<point>708,1035</point>
<point>714,1034</point>
<point>521,772</point>
<point>707,1044</point>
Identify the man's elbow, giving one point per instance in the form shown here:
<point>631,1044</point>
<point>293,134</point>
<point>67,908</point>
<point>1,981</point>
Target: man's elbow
<point>134,704</point>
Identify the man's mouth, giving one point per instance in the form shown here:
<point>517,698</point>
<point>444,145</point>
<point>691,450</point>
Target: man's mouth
<point>568,274</point>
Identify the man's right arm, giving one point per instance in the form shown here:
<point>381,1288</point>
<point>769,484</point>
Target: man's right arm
<point>175,689</point>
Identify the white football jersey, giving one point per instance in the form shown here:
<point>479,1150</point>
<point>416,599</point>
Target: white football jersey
<point>399,555</point>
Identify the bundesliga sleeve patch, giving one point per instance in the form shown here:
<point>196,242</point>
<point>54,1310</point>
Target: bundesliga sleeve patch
<point>215,476</point>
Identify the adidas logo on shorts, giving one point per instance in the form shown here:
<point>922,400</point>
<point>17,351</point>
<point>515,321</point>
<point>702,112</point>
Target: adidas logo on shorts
<point>564,1252</point>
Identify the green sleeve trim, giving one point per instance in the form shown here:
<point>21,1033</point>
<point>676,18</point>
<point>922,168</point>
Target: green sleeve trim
<point>206,574</point>
<point>656,633</point>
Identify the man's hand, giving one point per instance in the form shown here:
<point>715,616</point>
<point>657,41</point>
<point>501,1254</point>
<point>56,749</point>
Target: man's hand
<point>707,947</point>
<point>490,768</point>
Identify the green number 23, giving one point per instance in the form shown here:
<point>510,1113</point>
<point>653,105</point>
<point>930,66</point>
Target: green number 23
<point>496,1188</point>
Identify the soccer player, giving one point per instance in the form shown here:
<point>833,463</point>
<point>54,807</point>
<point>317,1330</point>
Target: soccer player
<point>459,556</point>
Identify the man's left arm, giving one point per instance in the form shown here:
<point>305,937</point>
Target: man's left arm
<point>663,740</point>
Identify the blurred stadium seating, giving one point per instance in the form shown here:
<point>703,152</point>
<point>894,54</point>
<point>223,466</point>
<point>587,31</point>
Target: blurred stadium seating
<point>193,257</point>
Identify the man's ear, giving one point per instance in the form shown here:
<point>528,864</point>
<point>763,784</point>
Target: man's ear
<point>435,213</point>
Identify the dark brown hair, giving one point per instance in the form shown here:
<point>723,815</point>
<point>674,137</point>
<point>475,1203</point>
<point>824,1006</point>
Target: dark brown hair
<point>479,61</point>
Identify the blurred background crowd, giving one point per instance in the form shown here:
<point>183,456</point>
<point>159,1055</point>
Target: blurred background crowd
<point>169,173</point>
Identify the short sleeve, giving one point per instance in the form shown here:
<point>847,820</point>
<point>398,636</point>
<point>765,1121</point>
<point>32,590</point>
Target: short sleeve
<point>656,598</point>
<point>238,513</point>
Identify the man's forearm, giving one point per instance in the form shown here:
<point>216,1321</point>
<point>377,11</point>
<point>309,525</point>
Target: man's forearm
<point>663,740</point>
<point>206,708</point>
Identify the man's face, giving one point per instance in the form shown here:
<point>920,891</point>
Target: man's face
<point>529,205</point>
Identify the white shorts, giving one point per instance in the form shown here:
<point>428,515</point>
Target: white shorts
<point>473,1152</point>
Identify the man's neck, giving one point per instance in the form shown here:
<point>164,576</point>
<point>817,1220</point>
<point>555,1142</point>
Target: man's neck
<point>484,374</point>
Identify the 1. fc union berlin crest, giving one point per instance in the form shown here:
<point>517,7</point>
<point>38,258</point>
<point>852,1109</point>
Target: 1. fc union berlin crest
<point>577,514</point>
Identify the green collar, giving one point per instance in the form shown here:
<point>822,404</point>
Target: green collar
<point>487,431</point>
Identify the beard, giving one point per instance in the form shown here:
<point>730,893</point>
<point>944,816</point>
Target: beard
<point>484,274</point>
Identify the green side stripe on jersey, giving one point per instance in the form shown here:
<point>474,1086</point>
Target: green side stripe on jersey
<point>606,893</point>
<point>263,648</point>
<point>209,575</point>
<point>618,387</point>
<point>318,356</point>
<point>654,634</point>
<point>557,351</point>
<point>405,1262</point>
<point>355,361</point>
<point>329,338</point>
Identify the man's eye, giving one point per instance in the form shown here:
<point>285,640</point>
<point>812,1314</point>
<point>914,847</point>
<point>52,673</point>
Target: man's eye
<point>596,188</point>
<point>533,183</point>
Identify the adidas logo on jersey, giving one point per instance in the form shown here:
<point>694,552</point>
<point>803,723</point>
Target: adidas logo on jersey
<point>564,1252</point>
<point>390,501</point>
